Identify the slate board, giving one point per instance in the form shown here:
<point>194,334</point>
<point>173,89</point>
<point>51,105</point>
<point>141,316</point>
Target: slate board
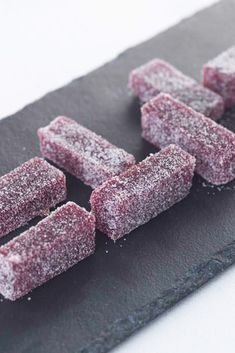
<point>105,298</point>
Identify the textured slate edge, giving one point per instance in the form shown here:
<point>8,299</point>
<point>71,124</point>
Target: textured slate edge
<point>193,280</point>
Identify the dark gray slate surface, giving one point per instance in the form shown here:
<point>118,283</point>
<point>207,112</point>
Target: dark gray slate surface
<point>102,300</point>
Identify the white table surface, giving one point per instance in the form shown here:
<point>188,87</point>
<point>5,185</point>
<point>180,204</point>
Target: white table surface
<point>45,44</point>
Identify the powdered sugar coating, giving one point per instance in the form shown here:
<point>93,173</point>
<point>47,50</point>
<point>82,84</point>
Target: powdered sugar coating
<point>219,75</point>
<point>46,250</point>
<point>81,152</point>
<point>131,199</point>
<point>225,62</point>
<point>29,191</point>
<point>202,100</point>
<point>158,76</point>
<point>166,120</point>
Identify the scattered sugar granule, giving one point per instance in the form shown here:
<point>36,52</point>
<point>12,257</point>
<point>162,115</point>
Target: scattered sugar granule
<point>166,120</point>
<point>46,250</point>
<point>81,152</point>
<point>131,199</point>
<point>29,191</point>
<point>219,75</point>
<point>218,187</point>
<point>158,76</point>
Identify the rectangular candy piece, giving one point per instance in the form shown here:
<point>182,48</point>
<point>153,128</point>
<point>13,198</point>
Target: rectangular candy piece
<point>219,75</point>
<point>29,191</point>
<point>202,100</point>
<point>131,199</point>
<point>158,76</point>
<point>56,243</point>
<point>166,120</point>
<point>81,152</point>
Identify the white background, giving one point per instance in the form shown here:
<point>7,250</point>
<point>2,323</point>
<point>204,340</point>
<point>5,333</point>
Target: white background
<point>43,45</point>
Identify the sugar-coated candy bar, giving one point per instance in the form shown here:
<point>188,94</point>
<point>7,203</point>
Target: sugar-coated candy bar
<point>166,120</point>
<point>29,191</point>
<point>56,243</point>
<point>131,199</point>
<point>158,76</point>
<point>81,152</point>
<point>219,75</point>
<point>202,100</point>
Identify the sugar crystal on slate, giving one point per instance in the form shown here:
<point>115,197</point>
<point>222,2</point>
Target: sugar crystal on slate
<point>29,191</point>
<point>56,243</point>
<point>81,152</point>
<point>219,75</point>
<point>157,76</point>
<point>131,199</point>
<point>166,120</point>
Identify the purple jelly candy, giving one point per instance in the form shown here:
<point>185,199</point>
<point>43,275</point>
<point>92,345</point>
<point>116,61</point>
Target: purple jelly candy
<point>202,100</point>
<point>219,75</point>
<point>29,191</point>
<point>158,76</point>
<point>166,120</point>
<point>56,243</point>
<point>131,199</point>
<point>81,152</point>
